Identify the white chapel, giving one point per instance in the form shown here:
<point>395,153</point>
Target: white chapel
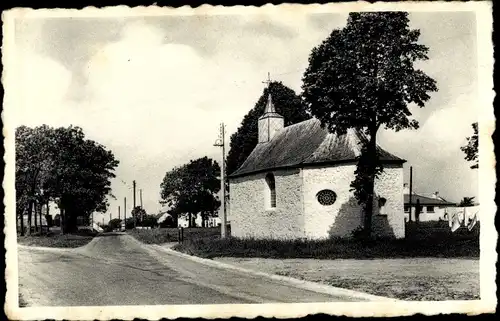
<point>296,184</point>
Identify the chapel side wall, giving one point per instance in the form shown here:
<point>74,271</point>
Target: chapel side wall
<point>389,185</point>
<point>251,218</point>
<point>346,215</point>
<point>339,219</point>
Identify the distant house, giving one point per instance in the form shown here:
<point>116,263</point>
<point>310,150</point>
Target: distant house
<point>432,207</point>
<point>164,219</point>
<point>183,221</point>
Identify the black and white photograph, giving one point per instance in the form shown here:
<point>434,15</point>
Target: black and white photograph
<point>272,161</point>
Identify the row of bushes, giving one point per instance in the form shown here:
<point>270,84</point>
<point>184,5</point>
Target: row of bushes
<point>421,241</point>
<point>167,235</point>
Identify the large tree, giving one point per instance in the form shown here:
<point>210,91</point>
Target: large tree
<point>33,163</point>
<point>81,176</point>
<point>138,214</point>
<point>244,140</point>
<point>60,165</point>
<point>363,77</point>
<point>471,149</point>
<point>191,189</point>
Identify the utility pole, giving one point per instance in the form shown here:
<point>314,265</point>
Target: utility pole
<point>110,216</point>
<point>125,212</point>
<point>119,216</point>
<point>133,208</point>
<point>411,190</point>
<point>140,195</point>
<point>221,143</point>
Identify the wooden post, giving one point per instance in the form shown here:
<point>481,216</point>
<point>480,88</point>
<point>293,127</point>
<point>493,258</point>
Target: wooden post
<point>221,143</point>
<point>125,212</point>
<point>411,191</point>
<point>133,207</point>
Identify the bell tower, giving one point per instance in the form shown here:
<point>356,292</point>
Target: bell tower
<point>270,122</point>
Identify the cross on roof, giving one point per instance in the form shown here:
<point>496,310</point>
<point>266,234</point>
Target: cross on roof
<point>268,81</point>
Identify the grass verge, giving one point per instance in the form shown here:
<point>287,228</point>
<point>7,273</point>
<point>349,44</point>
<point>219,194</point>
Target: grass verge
<point>168,235</point>
<point>56,240</point>
<point>421,241</point>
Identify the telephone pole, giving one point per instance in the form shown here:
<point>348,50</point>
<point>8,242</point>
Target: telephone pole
<point>411,191</point>
<point>133,208</point>
<point>119,216</point>
<point>125,212</point>
<point>221,143</point>
<point>140,195</point>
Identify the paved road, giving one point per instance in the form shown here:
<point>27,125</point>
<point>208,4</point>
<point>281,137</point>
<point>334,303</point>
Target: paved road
<point>116,269</point>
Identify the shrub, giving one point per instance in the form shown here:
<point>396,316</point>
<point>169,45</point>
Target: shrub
<point>420,242</point>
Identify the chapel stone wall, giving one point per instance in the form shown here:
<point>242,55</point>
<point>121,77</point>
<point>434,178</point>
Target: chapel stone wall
<point>389,186</point>
<point>250,217</point>
<point>345,215</point>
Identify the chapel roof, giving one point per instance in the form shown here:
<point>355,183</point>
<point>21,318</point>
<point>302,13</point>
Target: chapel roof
<point>304,144</point>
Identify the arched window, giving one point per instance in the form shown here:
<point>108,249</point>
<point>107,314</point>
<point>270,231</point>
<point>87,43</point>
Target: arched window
<point>381,205</point>
<point>271,190</point>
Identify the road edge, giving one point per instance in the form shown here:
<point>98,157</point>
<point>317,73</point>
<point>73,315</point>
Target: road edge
<point>306,285</point>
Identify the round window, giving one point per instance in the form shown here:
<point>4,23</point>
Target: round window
<point>326,197</point>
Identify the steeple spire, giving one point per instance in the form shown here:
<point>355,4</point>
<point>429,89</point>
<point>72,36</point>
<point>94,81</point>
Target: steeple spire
<point>270,122</point>
<point>269,106</point>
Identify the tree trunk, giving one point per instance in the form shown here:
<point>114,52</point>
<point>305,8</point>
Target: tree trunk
<point>40,215</point>
<point>47,216</point>
<point>70,222</point>
<point>61,218</point>
<point>190,221</point>
<point>30,209</point>
<point>372,150</point>
<point>35,205</point>
<point>22,222</point>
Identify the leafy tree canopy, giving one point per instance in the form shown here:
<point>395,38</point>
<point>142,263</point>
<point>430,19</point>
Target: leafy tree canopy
<point>115,224</point>
<point>471,149</point>
<point>363,77</point>
<point>244,140</point>
<point>61,165</point>
<point>192,188</point>
<point>467,202</point>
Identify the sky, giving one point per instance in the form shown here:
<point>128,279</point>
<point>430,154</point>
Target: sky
<point>155,89</point>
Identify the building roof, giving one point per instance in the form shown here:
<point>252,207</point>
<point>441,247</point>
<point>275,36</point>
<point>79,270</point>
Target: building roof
<point>424,200</point>
<point>304,144</point>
